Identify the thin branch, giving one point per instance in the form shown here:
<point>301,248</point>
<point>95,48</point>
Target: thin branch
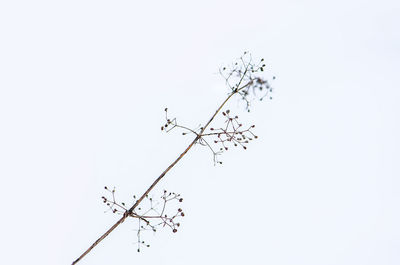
<point>245,82</point>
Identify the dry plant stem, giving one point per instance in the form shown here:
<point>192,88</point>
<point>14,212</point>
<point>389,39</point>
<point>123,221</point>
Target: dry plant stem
<point>130,211</point>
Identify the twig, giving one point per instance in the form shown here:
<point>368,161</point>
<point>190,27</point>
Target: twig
<point>245,82</point>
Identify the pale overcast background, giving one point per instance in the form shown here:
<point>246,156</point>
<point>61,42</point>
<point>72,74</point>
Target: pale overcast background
<point>83,85</point>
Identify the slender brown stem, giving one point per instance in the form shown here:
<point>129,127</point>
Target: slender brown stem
<point>130,211</point>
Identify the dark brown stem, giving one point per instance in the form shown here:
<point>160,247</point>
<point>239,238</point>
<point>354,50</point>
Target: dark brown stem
<point>198,136</point>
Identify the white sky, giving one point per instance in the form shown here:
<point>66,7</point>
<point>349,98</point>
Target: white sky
<point>83,85</point>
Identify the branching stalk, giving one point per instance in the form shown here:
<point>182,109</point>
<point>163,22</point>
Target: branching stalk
<point>245,82</point>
